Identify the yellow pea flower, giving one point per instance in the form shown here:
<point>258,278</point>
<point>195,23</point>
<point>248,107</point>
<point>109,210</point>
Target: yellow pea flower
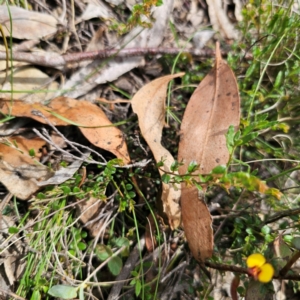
<point>259,268</point>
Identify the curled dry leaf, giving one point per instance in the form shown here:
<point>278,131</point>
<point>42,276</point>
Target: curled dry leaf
<point>150,233</point>
<point>213,107</point>
<point>282,251</point>
<point>28,78</point>
<point>26,24</point>
<point>77,85</point>
<point>219,19</point>
<point>149,104</point>
<point>97,10</point>
<point>13,126</point>
<point>26,144</point>
<point>63,111</point>
<point>88,211</point>
<point>64,174</point>
<point>12,253</point>
<point>19,173</point>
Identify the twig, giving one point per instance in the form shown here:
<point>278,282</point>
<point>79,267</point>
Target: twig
<point>171,273</point>
<point>223,267</point>
<point>49,141</point>
<point>289,264</point>
<point>228,216</point>
<point>47,138</point>
<point>72,144</point>
<point>282,214</point>
<point>128,267</point>
<point>15,296</point>
<point>241,270</point>
<point>53,60</point>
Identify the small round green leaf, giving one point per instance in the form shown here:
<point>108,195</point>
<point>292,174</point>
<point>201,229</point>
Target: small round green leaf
<point>41,196</point>
<point>76,189</point>
<point>193,166</point>
<point>103,252</point>
<point>84,234</point>
<point>122,241</point>
<point>115,265</point>
<point>128,186</point>
<point>288,238</point>
<point>72,252</point>
<point>296,242</point>
<point>81,246</point>
<point>131,194</point>
<point>165,178</point>
<point>265,229</point>
<point>66,190</point>
<point>63,291</point>
<point>31,152</point>
<point>219,169</point>
<point>13,230</point>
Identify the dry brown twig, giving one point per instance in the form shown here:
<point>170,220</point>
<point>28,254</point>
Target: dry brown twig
<point>55,61</point>
<point>281,275</point>
<point>282,214</point>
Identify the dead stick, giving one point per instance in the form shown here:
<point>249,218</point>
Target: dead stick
<point>230,268</point>
<point>241,270</point>
<point>282,214</point>
<point>289,264</point>
<point>128,267</point>
<point>55,60</point>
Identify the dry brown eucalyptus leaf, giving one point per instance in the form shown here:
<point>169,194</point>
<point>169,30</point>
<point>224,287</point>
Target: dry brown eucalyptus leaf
<point>84,113</point>
<point>26,24</point>
<point>64,173</point>
<point>13,251</point>
<point>28,78</point>
<point>149,104</point>
<point>26,144</point>
<point>197,223</point>
<point>88,211</point>
<point>13,126</point>
<point>213,107</point>
<point>19,173</point>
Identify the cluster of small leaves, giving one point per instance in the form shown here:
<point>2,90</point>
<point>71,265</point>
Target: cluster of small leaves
<point>139,13</point>
<point>77,242</point>
<point>139,285</point>
<point>44,233</point>
<point>96,185</point>
<point>271,78</point>
<point>105,252</point>
<point>269,131</point>
<point>269,94</point>
<point>125,197</point>
<point>218,176</point>
<point>51,202</point>
<point>249,232</point>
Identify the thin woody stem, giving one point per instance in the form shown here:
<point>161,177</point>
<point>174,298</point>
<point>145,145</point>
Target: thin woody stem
<point>241,270</point>
<point>289,264</point>
<point>282,214</point>
<point>53,60</point>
